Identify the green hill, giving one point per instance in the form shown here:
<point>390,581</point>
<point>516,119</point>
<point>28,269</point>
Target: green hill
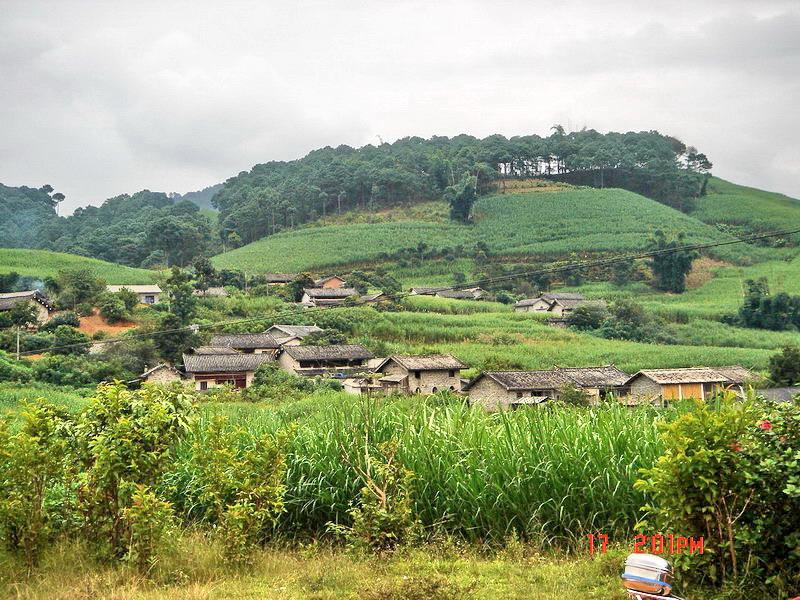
<point>747,209</point>
<point>43,263</point>
<point>522,225</point>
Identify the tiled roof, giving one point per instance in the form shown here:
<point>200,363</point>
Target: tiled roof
<point>280,277</point>
<point>246,341</point>
<point>529,380</point>
<point>9,299</point>
<point>562,296</point>
<point>423,291</point>
<point>213,350</point>
<point>330,293</point>
<point>605,376</point>
<point>298,331</point>
<point>224,363</point>
<point>149,372</point>
<point>137,289</point>
<point>431,362</point>
<point>322,280</point>
<point>333,352</point>
<point>733,374</point>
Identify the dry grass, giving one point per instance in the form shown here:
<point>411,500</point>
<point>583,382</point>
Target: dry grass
<point>703,270</point>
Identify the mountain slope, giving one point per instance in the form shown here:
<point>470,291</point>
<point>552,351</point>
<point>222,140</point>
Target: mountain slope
<point>43,263</point>
<point>541,224</point>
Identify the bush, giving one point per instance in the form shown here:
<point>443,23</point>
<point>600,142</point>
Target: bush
<point>149,521</point>
<point>730,474</point>
<point>784,368</point>
<point>67,318</point>
<point>14,370</point>
<point>67,340</point>
<point>113,309</point>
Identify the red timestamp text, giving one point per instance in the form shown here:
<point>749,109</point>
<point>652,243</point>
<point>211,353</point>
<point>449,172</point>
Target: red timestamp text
<point>659,544</point>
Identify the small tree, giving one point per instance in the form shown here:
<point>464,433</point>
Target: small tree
<point>461,197</point>
<point>671,265</point>
<point>182,300</point>
<point>78,286</point>
<point>22,314</point>
<point>296,287</point>
<point>784,368</point>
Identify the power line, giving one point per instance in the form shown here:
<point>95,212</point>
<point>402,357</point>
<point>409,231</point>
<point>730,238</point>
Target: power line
<point>399,295</point>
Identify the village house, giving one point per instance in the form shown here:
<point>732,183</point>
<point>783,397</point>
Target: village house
<point>331,282</point>
<point>247,343</point>
<point>473,293</point>
<point>426,291</point>
<point>496,390</point>
<point>279,278</point>
<point>659,386</point>
<point>292,335</point>
<point>558,304</point>
<point>420,374</point>
<point>148,294</point>
<point>327,296</point>
<point>44,308</point>
<point>161,374</point>
<point>209,370</point>
<point>339,360</point>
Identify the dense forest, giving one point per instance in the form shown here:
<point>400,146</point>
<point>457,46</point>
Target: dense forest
<point>149,228</point>
<point>281,195</point>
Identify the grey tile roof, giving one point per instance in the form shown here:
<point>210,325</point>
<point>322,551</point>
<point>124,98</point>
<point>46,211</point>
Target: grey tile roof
<point>224,363</point>
<point>330,293</point>
<point>282,332</point>
<point>430,362</point>
<point>732,374</point>
<point>280,277</point>
<point>213,350</point>
<point>782,394</point>
<point>245,341</point>
<point>9,299</point>
<point>333,352</point>
<point>590,377</point>
<point>529,380</point>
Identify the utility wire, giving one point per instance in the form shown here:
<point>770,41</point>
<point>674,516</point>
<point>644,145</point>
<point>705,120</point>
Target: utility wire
<point>487,280</point>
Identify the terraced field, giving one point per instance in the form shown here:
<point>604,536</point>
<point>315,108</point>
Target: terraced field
<point>43,263</point>
<point>542,224</point>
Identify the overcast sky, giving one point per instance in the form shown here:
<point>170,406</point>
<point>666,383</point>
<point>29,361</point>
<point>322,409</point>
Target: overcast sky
<point>102,98</point>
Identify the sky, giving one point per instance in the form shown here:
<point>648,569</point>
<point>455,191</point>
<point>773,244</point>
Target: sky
<point>103,98</point>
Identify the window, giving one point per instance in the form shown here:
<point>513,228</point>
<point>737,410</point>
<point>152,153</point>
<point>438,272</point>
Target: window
<point>149,299</point>
<point>416,374</point>
<point>203,386</point>
<point>451,373</point>
<point>519,394</point>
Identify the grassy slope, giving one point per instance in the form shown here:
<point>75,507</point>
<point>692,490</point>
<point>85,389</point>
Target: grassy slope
<point>534,223</point>
<point>43,263</point>
<point>734,204</point>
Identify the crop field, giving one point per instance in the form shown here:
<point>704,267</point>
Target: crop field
<point>43,263</point>
<point>734,204</point>
<point>543,224</point>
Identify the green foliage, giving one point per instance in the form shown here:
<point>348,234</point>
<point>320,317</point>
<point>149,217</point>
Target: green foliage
<point>21,314</point>
<point>42,264</point>
<point>182,300</point>
<point>77,286</point>
<point>671,266</point>
<point>461,197</point>
<point>113,308</point>
<point>65,318</point>
<point>67,340</point>
<point>237,483</point>
<point>150,522</point>
<point>573,396</point>
<point>730,474</point>
<point>77,370</point>
<point>126,439</point>
<point>296,287</point>
<point>129,299</point>
<point>763,311</point>
<point>33,463</point>
<point>784,368</point>
<point>324,338</point>
<point>14,370</point>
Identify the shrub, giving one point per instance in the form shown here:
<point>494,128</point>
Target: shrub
<point>149,521</point>
<point>67,318</point>
<point>113,309</point>
<point>784,368</point>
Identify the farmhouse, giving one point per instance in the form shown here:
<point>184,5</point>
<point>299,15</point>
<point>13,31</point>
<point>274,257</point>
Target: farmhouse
<point>473,293</point>
<point>496,390</point>
<point>292,335</point>
<point>279,278</point>
<point>663,385</point>
<point>331,282</point>
<point>421,374</point>
<point>557,304</point>
<point>161,374</point>
<point>426,291</point>
<point>211,370</point>
<point>212,292</point>
<point>339,360</point>
<point>148,294</point>
<point>248,343</point>
<point>327,296</point>
<point>38,300</point>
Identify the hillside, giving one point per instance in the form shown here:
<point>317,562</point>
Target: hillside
<point>43,263</point>
<point>518,226</point>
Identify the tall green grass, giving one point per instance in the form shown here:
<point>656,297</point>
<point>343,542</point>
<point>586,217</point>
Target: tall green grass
<point>551,475</point>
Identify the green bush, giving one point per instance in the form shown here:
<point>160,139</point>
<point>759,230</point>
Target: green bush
<point>149,521</point>
<point>113,308</point>
<point>730,473</point>
<point>68,318</point>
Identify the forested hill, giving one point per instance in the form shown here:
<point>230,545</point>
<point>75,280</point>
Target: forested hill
<point>280,195</point>
<point>22,210</point>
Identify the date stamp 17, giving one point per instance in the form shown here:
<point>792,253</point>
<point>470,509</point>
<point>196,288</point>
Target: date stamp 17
<point>651,544</point>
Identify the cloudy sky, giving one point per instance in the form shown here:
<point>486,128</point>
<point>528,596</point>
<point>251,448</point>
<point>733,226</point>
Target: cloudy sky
<point>101,98</point>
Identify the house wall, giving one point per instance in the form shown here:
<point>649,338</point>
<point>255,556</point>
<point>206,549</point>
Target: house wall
<point>644,390</point>
<point>335,283</point>
<point>42,314</point>
<point>428,382</point>
<point>143,298</point>
<point>162,376</point>
<point>287,363</point>
<point>212,383</point>
<point>490,395</point>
